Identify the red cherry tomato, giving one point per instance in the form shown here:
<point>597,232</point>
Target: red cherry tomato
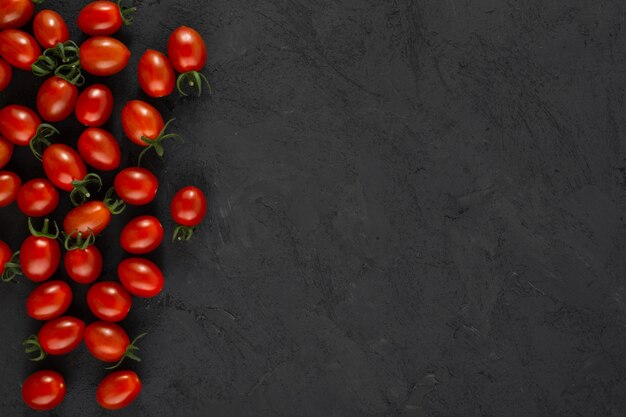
<point>109,301</point>
<point>188,209</point>
<point>49,301</point>
<point>6,152</point>
<point>40,254</point>
<point>103,18</point>
<point>99,149</point>
<point>7,273</point>
<point>18,124</point>
<point>43,390</point>
<point>92,216</point>
<point>56,99</point>
<point>140,119</point>
<point>15,13</point>
<point>156,75</point>
<point>83,265</point>
<point>19,49</point>
<point>50,29</point>
<point>94,105</point>
<point>187,53</point>
<point>61,336</point>
<point>140,277</point>
<point>103,56</point>
<point>118,390</point>
<point>136,186</point>
<point>6,74</point>
<point>106,341</point>
<point>142,235</point>
<point>10,185</point>
<point>38,198</point>
<point>63,165</point>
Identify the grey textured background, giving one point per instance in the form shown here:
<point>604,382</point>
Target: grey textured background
<point>416,209</point>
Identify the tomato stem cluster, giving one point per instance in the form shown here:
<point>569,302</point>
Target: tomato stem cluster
<point>42,139</point>
<point>130,352</point>
<point>12,268</point>
<point>44,232</point>
<point>127,13</point>
<point>81,193</point>
<point>183,232</point>
<point>156,143</point>
<point>77,241</point>
<point>194,79</point>
<point>32,345</point>
<point>63,60</point>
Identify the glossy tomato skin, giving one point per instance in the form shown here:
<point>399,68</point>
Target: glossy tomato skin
<point>94,105</point>
<point>49,300</point>
<point>141,119</point>
<point>140,277</point>
<point>92,216</point>
<point>62,165</point>
<point>39,258</point>
<point>118,390</point>
<point>62,335</point>
<point>136,186</point>
<point>37,198</point>
<point>186,50</point>
<point>18,124</point>
<point>103,56</point>
<point>19,49</point>
<point>43,390</point>
<point>188,206</point>
<point>56,99</point>
<point>109,301</point>
<point>6,152</point>
<point>5,255</point>
<point>142,235</point>
<point>156,75</point>
<point>106,341</point>
<point>50,29</point>
<point>10,185</point>
<point>6,74</point>
<point>83,265</point>
<point>15,13</point>
<point>100,18</point>
<point>99,149</point>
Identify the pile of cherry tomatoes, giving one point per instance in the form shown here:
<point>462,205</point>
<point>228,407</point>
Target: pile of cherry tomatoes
<point>49,52</point>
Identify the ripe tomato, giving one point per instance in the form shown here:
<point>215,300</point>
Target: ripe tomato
<point>63,165</point>
<point>140,119</point>
<point>38,198</point>
<point>40,253</point>
<point>118,390</point>
<point>18,124</point>
<point>56,99</point>
<point>156,75</point>
<point>8,267</point>
<point>57,337</point>
<point>140,277</point>
<point>188,209</point>
<point>15,13</point>
<point>103,56</point>
<point>109,301</point>
<point>83,260</point>
<point>92,216</point>
<point>99,149</point>
<point>104,18</point>
<point>187,52</point>
<point>50,29</point>
<point>136,186</point>
<point>49,301</point>
<point>6,152</point>
<point>10,185</point>
<point>94,105</point>
<point>19,49</point>
<point>142,235</point>
<point>108,342</point>
<point>6,74</point>
<point>43,390</point>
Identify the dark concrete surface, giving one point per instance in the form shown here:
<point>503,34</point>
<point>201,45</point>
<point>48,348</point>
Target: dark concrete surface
<point>416,210</point>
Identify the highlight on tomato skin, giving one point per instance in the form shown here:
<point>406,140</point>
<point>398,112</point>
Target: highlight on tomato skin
<point>6,74</point>
<point>44,390</point>
<point>40,253</point>
<point>56,99</point>
<point>19,48</point>
<point>136,186</point>
<point>141,235</point>
<point>15,13</point>
<point>103,56</point>
<point>118,390</point>
<point>94,105</point>
<point>10,184</point>
<point>49,300</point>
<point>99,149</point>
<point>37,198</point>
<point>156,75</point>
<point>140,277</point>
<point>56,337</point>
<point>50,29</point>
<point>18,124</point>
<point>109,301</point>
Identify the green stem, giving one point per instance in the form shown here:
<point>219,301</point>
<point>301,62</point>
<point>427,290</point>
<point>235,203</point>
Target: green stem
<point>127,13</point>
<point>41,140</point>
<point>32,345</point>
<point>12,268</point>
<point>157,143</point>
<point>78,242</point>
<point>80,188</point>
<point>194,79</point>
<point>44,230</point>
<point>115,205</point>
<point>183,233</point>
<point>130,352</point>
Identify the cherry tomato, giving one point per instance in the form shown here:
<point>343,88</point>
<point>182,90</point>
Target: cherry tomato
<point>156,75</point>
<point>43,390</point>
<point>7,271</point>
<point>188,209</point>
<point>107,342</point>
<point>19,49</point>
<point>15,13</point>
<point>61,336</point>
<point>140,119</point>
<point>18,124</point>
<point>10,185</point>
<point>63,165</point>
<point>56,99</point>
<point>83,265</point>
<point>40,254</point>
<point>118,390</point>
<point>94,105</point>
<point>103,56</point>
<point>50,29</point>
<point>140,277</point>
<point>187,52</point>
<point>142,235</point>
<point>99,149</point>
<point>136,186</point>
<point>6,152</point>
<point>6,74</point>
<point>103,18</point>
<point>109,301</point>
<point>38,198</point>
<point>49,301</point>
<point>92,216</point>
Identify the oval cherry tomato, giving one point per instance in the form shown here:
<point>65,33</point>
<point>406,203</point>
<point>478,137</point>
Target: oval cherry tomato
<point>15,13</point>
<point>99,149</point>
<point>142,235</point>
<point>18,124</point>
<point>103,56</point>
<point>106,341</point>
<point>6,74</point>
<point>140,277</point>
<point>118,390</point>
<point>10,185</point>
<point>40,254</point>
<point>61,336</point>
<point>6,152</point>
<point>188,209</point>
<point>94,105</point>
<point>92,216</point>
<point>83,265</point>
<point>109,301</point>
<point>50,29</point>
<point>62,165</point>
<point>156,75</point>
<point>103,18</point>
<point>136,186</point>
<point>19,49</point>
<point>43,390</point>
<point>49,301</point>
<point>186,50</point>
<point>56,99</point>
<point>38,198</point>
<point>140,119</point>
<point>6,254</point>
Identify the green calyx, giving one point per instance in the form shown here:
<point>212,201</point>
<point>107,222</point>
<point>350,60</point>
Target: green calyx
<point>115,205</point>
<point>12,268</point>
<point>62,60</point>
<point>183,233</point>
<point>81,193</point>
<point>157,143</point>
<point>77,241</point>
<point>127,13</point>
<point>44,232</point>
<point>130,352</point>
<point>38,1</point>
<point>194,80</point>
<point>32,345</point>
<point>41,140</point>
